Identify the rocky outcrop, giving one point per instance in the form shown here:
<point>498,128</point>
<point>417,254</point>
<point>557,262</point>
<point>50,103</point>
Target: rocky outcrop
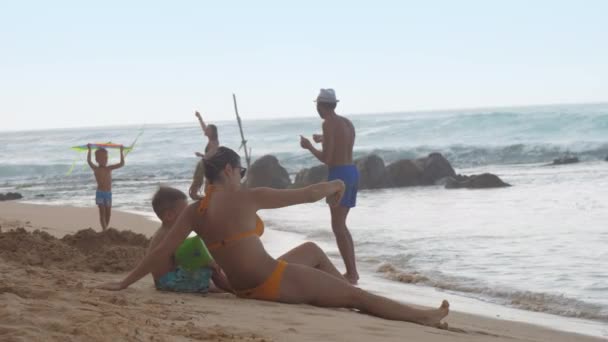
<point>435,167</point>
<point>372,172</point>
<point>267,172</point>
<point>421,171</point>
<point>10,196</point>
<point>404,173</point>
<point>482,181</point>
<point>565,160</point>
<point>431,170</point>
<point>310,176</point>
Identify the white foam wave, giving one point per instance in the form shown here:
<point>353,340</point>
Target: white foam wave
<point>526,300</point>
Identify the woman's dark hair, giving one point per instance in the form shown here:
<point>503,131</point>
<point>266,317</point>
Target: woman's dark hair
<point>215,164</point>
<point>213,132</point>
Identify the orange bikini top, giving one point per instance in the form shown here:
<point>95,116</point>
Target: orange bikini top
<point>258,230</point>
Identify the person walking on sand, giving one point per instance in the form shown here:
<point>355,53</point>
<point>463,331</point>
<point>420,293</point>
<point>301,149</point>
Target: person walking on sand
<point>338,139</point>
<point>213,143</point>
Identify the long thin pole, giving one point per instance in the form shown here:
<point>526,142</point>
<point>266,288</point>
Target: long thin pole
<point>243,141</point>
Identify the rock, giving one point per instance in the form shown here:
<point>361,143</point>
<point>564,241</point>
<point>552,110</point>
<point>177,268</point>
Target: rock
<point>565,160</point>
<point>482,181</point>
<point>606,158</point>
<point>10,196</point>
<point>404,173</point>
<point>435,167</point>
<point>267,172</point>
<point>40,195</point>
<point>375,175</point>
<point>421,171</point>
<point>372,172</point>
<point>310,176</point>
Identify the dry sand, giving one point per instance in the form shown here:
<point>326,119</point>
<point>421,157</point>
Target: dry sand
<point>59,221</point>
<point>46,294</point>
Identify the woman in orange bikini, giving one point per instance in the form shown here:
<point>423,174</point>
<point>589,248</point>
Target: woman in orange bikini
<point>226,219</point>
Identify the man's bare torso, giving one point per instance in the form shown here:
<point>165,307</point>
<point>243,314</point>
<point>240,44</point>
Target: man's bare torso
<point>343,133</point>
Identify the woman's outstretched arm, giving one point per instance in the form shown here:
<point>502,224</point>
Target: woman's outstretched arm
<point>267,198</point>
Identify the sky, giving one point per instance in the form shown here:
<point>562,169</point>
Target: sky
<point>84,63</point>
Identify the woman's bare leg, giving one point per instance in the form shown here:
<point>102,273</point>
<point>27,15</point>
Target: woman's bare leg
<point>302,284</point>
<point>311,255</point>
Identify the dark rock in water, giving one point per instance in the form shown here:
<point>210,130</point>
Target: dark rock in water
<point>10,196</point>
<point>435,167</point>
<point>431,170</point>
<point>421,171</point>
<point>310,176</point>
<point>404,173</point>
<point>606,158</point>
<point>482,181</point>
<point>372,172</point>
<point>267,172</point>
<point>39,195</point>
<point>375,175</point>
<point>566,160</point>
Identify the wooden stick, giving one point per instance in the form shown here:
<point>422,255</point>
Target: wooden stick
<point>243,141</point>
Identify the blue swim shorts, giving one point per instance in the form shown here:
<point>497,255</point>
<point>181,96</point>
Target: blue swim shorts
<point>180,280</point>
<point>350,176</point>
<point>103,198</point>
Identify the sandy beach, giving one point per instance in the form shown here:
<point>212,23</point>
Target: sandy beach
<point>46,293</point>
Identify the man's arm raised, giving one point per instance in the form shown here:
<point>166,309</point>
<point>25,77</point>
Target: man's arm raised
<point>326,154</point>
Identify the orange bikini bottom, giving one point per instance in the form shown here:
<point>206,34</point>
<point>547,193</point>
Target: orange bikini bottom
<point>269,289</point>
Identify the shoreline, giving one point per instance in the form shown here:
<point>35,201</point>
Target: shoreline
<point>251,318</point>
<point>61,220</point>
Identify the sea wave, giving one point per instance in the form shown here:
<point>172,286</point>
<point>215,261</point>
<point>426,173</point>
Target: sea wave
<point>479,155</point>
<point>459,155</point>
<point>526,300</point>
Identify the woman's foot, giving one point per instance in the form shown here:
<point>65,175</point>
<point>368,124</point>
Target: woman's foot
<point>435,316</point>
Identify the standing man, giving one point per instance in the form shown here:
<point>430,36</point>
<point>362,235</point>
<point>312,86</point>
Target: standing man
<point>338,139</point>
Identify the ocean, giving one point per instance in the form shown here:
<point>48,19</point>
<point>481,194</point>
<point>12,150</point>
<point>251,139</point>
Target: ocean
<point>535,252</point>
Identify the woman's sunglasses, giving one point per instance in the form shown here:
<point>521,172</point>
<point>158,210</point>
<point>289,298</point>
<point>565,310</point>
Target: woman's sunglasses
<point>243,171</point>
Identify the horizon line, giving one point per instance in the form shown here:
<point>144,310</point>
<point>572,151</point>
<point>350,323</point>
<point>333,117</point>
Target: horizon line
<point>413,111</point>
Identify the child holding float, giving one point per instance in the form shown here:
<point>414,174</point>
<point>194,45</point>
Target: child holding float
<point>191,267</point>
